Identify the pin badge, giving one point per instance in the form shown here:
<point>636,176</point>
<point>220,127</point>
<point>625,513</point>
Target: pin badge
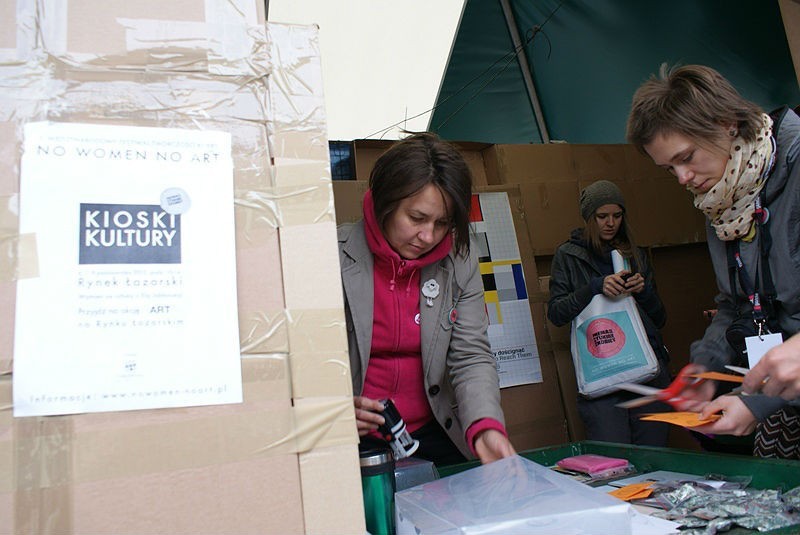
<point>430,290</point>
<point>453,315</point>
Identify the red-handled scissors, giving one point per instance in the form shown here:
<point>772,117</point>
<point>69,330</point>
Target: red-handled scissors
<point>670,395</point>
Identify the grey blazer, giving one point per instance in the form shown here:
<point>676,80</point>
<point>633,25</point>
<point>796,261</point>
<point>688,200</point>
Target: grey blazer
<point>460,376</point>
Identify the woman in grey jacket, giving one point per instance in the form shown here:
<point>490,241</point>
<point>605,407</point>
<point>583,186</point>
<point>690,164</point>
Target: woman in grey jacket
<point>581,269</point>
<point>740,164</point>
<point>414,307</point>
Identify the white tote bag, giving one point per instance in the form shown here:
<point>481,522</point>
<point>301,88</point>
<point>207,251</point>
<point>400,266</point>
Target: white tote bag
<point>610,346</point>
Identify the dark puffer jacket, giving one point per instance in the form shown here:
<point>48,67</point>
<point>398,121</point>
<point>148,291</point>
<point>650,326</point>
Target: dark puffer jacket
<point>573,269</point>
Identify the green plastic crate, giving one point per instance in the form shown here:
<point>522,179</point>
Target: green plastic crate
<point>765,473</point>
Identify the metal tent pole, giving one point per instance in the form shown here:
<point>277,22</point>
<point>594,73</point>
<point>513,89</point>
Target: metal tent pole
<point>522,58</point>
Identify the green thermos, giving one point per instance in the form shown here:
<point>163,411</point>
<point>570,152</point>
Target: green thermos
<point>378,486</point>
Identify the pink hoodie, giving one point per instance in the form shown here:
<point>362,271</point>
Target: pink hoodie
<point>395,363</point>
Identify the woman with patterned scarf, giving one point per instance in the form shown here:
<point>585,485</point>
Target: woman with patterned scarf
<point>740,164</point>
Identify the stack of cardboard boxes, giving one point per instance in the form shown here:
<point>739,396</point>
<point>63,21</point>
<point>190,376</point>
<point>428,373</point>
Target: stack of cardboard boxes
<point>283,461</point>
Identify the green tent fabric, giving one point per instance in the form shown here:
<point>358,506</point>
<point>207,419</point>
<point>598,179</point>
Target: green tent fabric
<point>591,55</point>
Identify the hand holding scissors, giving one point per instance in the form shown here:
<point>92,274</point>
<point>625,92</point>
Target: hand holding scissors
<point>675,394</point>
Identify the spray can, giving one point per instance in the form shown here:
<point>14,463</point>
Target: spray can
<point>378,487</point>
<point>394,431</point>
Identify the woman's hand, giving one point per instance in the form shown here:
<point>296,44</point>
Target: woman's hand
<point>696,395</point>
<point>736,417</point>
<point>368,416</point>
<point>635,283</point>
<point>492,445</point>
<point>614,284</point>
<point>778,371</point>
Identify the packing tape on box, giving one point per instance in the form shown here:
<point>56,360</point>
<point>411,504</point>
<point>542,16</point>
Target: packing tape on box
<point>296,60</point>
<point>317,330</point>
<point>281,207</point>
<point>18,257</point>
<point>260,333</point>
<point>297,121</point>
<point>320,423</point>
<point>320,374</point>
<point>53,453</point>
<point>25,15</point>
<point>230,41</point>
<point>303,205</point>
<point>319,358</point>
<point>43,493</point>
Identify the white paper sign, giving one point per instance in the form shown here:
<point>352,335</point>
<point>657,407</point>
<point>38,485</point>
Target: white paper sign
<point>510,331</point>
<point>135,303</point>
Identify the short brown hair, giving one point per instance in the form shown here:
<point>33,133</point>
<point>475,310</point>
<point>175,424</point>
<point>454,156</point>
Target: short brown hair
<point>693,100</point>
<point>413,163</point>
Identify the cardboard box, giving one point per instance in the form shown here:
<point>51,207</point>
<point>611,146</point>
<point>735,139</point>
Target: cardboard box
<point>348,198</point>
<point>559,338</point>
<point>552,177</point>
<point>687,287</point>
<point>517,164</point>
<point>285,460</point>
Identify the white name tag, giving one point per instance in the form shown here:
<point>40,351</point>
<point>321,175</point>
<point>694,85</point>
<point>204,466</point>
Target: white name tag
<point>758,345</point>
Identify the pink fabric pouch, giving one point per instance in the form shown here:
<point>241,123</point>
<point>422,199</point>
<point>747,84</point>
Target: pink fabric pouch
<point>594,464</point>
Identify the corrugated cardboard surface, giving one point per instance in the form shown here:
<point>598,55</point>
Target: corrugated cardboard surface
<point>515,164</point>
<point>348,196</point>
<point>659,210</point>
<point>687,286</point>
<point>283,461</point>
<point>559,338</point>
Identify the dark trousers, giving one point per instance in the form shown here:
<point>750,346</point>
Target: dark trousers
<point>605,421</point>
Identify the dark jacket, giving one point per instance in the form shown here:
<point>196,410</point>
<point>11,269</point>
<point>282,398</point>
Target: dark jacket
<point>572,271</point>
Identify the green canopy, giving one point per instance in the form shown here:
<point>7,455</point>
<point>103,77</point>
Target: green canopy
<point>587,57</point>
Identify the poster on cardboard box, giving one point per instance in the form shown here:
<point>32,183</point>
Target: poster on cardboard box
<point>511,334</point>
<point>134,306</point>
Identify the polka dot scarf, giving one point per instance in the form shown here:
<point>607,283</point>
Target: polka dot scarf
<point>729,205</point>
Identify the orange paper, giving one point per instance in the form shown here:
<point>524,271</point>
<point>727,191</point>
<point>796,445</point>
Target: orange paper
<point>634,491</point>
<point>717,376</point>
<point>684,419</point>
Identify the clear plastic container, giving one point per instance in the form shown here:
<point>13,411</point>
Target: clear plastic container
<point>513,495</point>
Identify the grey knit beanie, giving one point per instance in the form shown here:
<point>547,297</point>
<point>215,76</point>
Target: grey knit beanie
<point>597,194</point>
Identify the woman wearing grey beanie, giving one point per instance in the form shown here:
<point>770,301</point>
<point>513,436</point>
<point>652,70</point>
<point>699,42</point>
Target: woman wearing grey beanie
<point>582,268</point>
